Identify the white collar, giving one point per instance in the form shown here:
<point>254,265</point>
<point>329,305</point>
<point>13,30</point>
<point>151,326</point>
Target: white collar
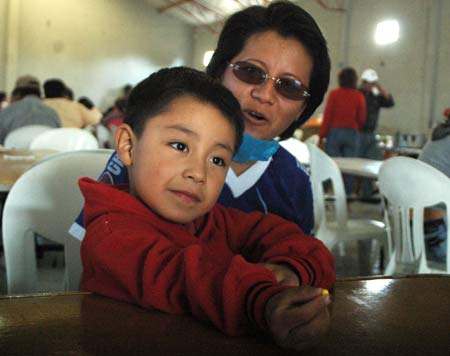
<point>240,184</point>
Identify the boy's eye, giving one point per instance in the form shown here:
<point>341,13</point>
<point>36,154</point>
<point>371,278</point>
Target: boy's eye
<point>179,146</point>
<point>218,161</point>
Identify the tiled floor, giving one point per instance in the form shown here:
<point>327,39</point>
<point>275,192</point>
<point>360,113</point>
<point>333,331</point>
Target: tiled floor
<point>51,266</point>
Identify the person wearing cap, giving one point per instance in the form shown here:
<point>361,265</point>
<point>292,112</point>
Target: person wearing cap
<point>376,97</point>
<point>436,153</point>
<point>71,113</point>
<point>26,108</point>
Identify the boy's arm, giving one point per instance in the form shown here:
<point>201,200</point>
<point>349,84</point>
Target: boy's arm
<point>269,239</point>
<point>296,317</point>
<point>135,256</point>
<point>127,259</point>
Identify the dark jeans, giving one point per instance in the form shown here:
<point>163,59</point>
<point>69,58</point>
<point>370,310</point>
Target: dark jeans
<point>368,148</point>
<point>436,239</point>
<point>343,142</point>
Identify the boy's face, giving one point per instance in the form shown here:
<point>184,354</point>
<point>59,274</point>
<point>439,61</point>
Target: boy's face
<point>178,166</point>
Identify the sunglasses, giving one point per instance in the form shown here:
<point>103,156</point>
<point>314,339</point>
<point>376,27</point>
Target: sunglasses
<point>289,88</point>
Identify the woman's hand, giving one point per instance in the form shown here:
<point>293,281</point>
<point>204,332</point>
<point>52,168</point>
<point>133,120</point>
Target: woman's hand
<point>298,318</point>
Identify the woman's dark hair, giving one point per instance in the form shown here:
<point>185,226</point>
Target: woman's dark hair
<point>348,78</point>
<point>154,94</point>
<point>289,21</point>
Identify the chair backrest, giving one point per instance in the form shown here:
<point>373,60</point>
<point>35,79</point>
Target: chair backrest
<point>65,139</point>
<point>22,136</point>
<point>297,148</point>
<point>104,136</point>
<point>410,186</point>
<point>45,200</point>
<point>314,139</point>
<point>324,169</point>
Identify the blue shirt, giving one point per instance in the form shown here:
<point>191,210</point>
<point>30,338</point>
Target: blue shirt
<point>27,111</point>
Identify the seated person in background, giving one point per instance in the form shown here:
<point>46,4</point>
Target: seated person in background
<point>71,113</point>
<point>27,108</point>
<point>68,93</point>
<point>162,241</point>
<point>88,104</point>
<point>115,116</point>
<point>3,100</point>
<point>437,154</point>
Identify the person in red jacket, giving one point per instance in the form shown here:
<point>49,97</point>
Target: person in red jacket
<point>162,241</point>
<point>343,118</point>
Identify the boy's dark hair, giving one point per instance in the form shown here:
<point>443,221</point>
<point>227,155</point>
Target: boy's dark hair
<point>154,94</point>
<point>348,78</point>
<point>289,21</point>
<point>54,88</point>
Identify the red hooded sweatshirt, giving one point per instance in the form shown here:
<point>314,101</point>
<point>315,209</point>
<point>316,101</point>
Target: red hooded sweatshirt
<point>131,254</point>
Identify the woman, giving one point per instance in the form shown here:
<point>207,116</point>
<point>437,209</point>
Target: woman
<point>275,61</point>
<point>344,116</point>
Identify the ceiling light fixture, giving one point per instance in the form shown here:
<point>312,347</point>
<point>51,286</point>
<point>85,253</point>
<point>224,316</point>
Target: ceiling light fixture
<point>387,32</point>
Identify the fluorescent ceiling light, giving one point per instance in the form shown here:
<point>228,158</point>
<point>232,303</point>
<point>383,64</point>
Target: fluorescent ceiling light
<point>387,32</point>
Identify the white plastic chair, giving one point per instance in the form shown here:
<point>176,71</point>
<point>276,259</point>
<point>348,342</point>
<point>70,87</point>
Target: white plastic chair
<point>314,139</point>
<point>341,229</point>
<point>65,139</point>
<point>45,200</point>
<point>22,136</point>
<point>104,136</point>
<point>297,148</point>
<point>410,185</point>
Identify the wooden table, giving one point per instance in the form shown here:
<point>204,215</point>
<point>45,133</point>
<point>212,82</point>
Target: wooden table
<point>378,316</point>
<point>13,162</point>
<point>362,167</point>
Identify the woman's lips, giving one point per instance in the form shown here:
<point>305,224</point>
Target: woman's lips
<point>255,117</point>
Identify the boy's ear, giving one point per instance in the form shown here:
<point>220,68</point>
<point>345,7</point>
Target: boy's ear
<point>125,140</point>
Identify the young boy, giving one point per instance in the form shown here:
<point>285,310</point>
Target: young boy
<point>163,242</point>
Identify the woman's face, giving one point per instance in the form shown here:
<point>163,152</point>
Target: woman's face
<point>267,113</point>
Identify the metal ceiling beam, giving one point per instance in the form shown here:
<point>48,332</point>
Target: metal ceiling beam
<point>173,4</point>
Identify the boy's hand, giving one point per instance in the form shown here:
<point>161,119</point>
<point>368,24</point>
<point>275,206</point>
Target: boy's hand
<point>283,274</point>
<point>298,317</point>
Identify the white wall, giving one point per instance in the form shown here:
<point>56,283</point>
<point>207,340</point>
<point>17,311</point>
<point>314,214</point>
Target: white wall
<point>95,46</point>
<point>409,68</point>
<point>204,40</point>
<point>3,33</point>
<point>416,69</point>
